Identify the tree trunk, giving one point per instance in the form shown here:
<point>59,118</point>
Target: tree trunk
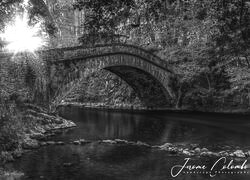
<point>180,96</point>
<point>248,64</point>
<point>208,82</point>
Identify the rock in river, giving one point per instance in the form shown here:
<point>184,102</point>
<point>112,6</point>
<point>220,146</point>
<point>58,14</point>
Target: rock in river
<point>76,142</point>
<point>197,150</point>
<point>67,164</point>
<point>60,143</point>
<point>84,141</point>
<point>29,143</point>
<point>165,146</point>
<point>239,154</point>
<point>204,150</point>
<point>51,142</point>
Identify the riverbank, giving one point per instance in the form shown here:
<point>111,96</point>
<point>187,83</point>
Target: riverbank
<point>4,175</point>
<point>39,125</point>
<point>130,107</point>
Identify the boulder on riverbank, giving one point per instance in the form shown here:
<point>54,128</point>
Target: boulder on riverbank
<point>38,126</point>
<point>11,175</point>
<point>41,131</point>
<point>29,143</point>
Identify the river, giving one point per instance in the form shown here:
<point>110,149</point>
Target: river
<point>109,161</point>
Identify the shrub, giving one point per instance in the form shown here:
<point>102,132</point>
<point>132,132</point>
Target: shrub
<point>10,127</point>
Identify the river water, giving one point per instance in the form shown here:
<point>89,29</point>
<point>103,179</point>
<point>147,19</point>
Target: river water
<point>107,161</point>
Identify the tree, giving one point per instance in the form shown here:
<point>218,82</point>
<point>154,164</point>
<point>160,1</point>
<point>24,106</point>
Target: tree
<point>199,42</point>
<point>103,18</point>
<point>7,12</point>
<point>40,9</point>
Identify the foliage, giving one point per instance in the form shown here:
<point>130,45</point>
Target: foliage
<point>234,27</point>
<point>7,12</point>
<point>103,17</point>
<point>10,127</point>
<point>198,41</point>
<point>37,11</point>
<point>99,87</point>
<point>40,10</point>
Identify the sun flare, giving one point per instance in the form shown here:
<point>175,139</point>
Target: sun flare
<point>20,37</point>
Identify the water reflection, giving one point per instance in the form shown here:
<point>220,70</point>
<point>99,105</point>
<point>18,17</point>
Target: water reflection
<point>159,127</point>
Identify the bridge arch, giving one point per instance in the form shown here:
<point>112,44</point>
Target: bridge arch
<point>147,74</point>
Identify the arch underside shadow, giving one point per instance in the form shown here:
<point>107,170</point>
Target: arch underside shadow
<point>149,90</point>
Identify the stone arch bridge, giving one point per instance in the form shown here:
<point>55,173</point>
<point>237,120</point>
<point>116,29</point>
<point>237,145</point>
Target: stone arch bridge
<point>146,73</point>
